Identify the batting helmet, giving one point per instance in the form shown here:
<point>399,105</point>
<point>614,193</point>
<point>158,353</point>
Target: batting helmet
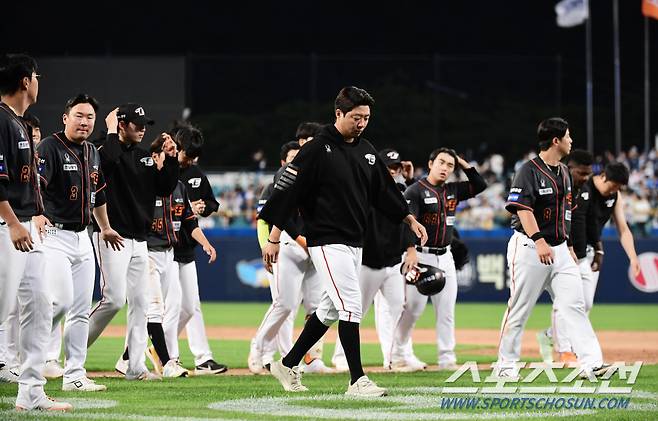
<point>431,280</point>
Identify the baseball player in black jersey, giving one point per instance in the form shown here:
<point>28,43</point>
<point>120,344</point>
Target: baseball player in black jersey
<point>171,213</point>
<point>538,257</point>
<point>73,189</point>
<point>384,244</point>
<point>597,200</point>
<point>333,182</point>
<point>434,202</point>
<point>22,272</point>
<point>133,182</point>
<point>186,298</point>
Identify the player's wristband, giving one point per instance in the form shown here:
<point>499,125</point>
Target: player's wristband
<point>601,252</point>
<point>273,242</point>
<point>537,236</point>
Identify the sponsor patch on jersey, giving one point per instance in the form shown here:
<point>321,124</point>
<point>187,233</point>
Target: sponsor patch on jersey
<point>515,190</point>
<point>262,201</point>
<point>585,195</point>
<point>179,200</point>
<point>148,161</point>
<point>513,197</point>
<point>176,225</point>
<point>24,144</point>
<point>158,202</point>
<point>567,215</point>
<point>370,158</point>
<point>70,167</point>
<point>547,190</point>
<point>429,200</point>
<point>610,203</point>
<point>450,221</point>
<point>194,182</point>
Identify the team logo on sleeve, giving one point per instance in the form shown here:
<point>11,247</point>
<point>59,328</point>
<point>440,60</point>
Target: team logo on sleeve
<point>585,195</point>
<point>194,182</point>
<point>513,197</point>
<point>147,160</point>
<point>371,158</point>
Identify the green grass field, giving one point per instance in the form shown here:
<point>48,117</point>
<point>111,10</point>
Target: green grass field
<point>412,396</point>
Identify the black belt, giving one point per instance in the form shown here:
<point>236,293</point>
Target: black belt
<point>70,226</point>
<point>433,250</point>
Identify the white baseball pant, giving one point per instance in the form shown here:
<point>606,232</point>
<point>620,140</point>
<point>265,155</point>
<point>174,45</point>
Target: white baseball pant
<point>55,343</point>
<point>163,272</point>
<point>293,270</point>
<point>124,276</point>
<point>390,283</point>
<point>338,267</point>
<point>183,310</point>
<point>444,311</point>
<point>529,279</point>
<point>9,331</point>
<point>22,275</point>
<point>71,272</point>
<point>589,281</point>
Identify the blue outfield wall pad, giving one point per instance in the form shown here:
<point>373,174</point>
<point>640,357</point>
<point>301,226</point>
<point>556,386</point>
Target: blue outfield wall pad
<point>238,273</point>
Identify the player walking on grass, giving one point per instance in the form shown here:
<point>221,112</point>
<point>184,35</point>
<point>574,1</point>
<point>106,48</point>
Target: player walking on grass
<point>434,202</point>
<point>540,201</point>
<point>22,272</point>
<point>334,181</point>
<point>73,190</point>
<point>183,305</point>
<point>133,182</point>
<point>598,199</point>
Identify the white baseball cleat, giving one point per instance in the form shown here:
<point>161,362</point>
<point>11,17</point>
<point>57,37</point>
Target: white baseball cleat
<point>365,387</point>
<point>174,369</point>
<point>318,366</point>
<point>83,384</point>
<point>46,404</point>
<point>8,375</point>
<point>415,362</point>
<point>545,346</point>
<point>52,370</point>
<point>145,376</point>
<point>448,366</point>
<point>407,365</point>
<point>595,372</point>
<point>121,366</point>
<point>255,359</point>
<point>290,378</point>
<point>340,365</point>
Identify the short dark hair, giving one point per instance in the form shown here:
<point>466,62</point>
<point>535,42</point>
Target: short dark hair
<point>81,99</point>
<point>617,173</point>
<point>13,68</point>
<point>449,151</point>
<point>550,129</point>
<point>307,129</point>
<point>189,138</point>
<point>156,145</point>
<point>351,97</point>
<point>287,147</point>
<point>32,120</point>
<point>581,157</point>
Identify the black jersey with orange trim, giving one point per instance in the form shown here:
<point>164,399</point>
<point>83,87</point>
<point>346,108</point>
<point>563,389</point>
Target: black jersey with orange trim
<point>133,182</point>
<point>19,181</point>
<point>546,192</point>
<point>197,187</point>
<point>334,183</point>
<point>170,214</point>
<point>593,211</point>
<point>72,181</point>
<point>435,206</point>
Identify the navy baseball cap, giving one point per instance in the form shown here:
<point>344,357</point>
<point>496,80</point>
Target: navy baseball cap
<point>133,113</point>
<point>390,157</point>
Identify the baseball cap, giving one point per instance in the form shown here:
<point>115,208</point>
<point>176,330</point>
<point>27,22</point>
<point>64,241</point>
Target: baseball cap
<point>390,157</point>
<point>133,113</point>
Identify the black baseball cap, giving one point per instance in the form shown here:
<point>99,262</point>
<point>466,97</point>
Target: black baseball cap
<point>390,157</point>
<point>133,113</point>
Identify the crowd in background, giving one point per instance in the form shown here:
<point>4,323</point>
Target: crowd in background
<point>238,196</point>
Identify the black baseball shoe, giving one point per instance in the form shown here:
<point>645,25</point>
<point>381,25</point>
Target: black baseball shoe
<point>209,367</point>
